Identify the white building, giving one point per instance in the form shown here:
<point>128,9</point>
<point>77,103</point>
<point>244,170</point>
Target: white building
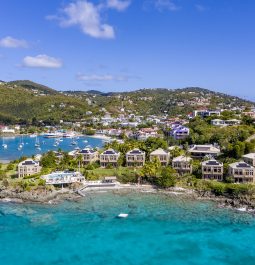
<point>63,177</point>
<point>135,158</point>
<point>200,151</point>
<point>206,113</point>
<point>161,155</point>
<point>212,169</point>
<point>182,164</point>
<point>109,158</point>
<point>249,159</point>
<point>219,122</point>
<point>28,167</point>
<point>241,172</point>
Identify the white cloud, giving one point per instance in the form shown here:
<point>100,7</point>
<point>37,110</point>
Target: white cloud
<point>10,42</point>
<point>42,61</point>
<point>166,5</point>
<point>99,78</point>
<point>118,5</point>
<point>87,16</point>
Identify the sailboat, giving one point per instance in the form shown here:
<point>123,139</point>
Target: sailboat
<point>37,143</point>
<point>21,143</point>
<point>5,146</point>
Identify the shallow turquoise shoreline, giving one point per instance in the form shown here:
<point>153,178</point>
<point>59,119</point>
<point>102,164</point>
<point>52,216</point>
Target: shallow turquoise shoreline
<point>159,230</point>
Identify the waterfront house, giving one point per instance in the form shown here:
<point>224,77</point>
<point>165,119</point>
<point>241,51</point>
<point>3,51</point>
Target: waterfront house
<point>182,164</point>
<point>109,158</point>
<point>89,156</point>
<point>212,169</point>
<point>200,151</point>
<point>63,178</point>
<point>28,167</point>
<point>161,155</point>
<point>241,172</point>
<point>135,158</point>
<point>249,159</point>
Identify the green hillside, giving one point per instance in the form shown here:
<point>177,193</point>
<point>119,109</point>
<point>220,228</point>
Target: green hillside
<point>24,103</point>
<point>26,100</point>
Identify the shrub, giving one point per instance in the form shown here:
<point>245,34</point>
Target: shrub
<point>218,188</point>
<point>10,167</point>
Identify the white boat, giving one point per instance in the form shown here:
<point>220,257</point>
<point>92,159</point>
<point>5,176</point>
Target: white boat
<point>53,135</point>
<point>37,143</point>
<point>32,135</point>
<point>69,135</point>
<point>4,145</point>
<point>21,144</point>
<point>123,215</point>
<point>85,141</point>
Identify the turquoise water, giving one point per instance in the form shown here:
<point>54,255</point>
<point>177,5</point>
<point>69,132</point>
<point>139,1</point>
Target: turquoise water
<point>159,230</point>
<point>29,148</point>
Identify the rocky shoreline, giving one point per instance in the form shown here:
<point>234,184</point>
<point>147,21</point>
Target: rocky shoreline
<point>55,197</point>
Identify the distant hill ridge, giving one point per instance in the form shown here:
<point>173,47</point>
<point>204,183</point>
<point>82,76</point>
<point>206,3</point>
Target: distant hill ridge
<point>24,100</point>
<point>32,85</point>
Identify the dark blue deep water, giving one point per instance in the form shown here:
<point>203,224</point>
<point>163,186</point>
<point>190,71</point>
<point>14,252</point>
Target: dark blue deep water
<point>159,230</point>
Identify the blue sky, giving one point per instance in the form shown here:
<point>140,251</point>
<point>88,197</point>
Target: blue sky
<point>119,45</point>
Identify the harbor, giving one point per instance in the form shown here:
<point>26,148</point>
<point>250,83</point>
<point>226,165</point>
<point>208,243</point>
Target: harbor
<point>15,147</point>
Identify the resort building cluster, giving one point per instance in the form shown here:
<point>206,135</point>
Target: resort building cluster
<point>130,126</point>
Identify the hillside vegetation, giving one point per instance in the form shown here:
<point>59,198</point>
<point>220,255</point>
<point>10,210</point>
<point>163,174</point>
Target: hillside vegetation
<point>25,100</point>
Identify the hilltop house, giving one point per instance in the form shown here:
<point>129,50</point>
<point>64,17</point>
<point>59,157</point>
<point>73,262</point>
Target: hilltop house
<point>179,132</point>
<point>28,167</point>
<point>135,158</point>
<point>89,156</point>
<point>212,169</point>
<point>109,157</point>
<point>206,113</point>
<point>219,122</point>
<point>241,172</point>
<point>182,164</point>
<point>162,156</point>
<point>249,159</point>
<point>200,151</point>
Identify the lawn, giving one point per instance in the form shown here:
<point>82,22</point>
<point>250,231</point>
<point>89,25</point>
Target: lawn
<point>103,172</point>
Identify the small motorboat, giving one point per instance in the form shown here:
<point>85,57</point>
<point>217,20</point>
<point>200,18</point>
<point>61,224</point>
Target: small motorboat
<point>122,215</point>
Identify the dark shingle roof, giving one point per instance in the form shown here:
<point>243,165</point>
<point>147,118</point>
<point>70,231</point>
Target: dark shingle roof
<point>212,163</point>
<point>135,151</point>
<point>243,164</point>
<point>87,151</point>
<point>110,152</point>
<point>28,162</point>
